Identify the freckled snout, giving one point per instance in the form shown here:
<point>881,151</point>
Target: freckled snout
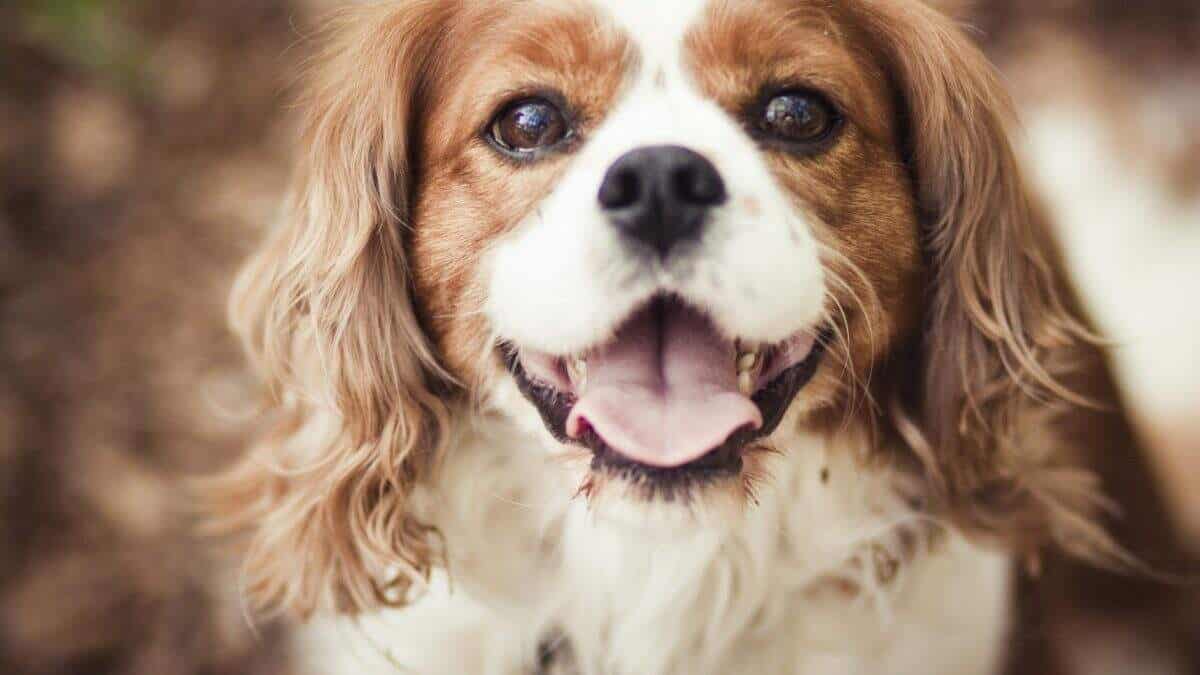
<point>661,195</point>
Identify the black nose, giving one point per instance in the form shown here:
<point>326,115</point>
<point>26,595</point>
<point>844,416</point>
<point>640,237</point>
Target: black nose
<point>661,195</point>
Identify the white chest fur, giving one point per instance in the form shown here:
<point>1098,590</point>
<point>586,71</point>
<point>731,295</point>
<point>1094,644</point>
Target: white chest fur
<point>803,583</point>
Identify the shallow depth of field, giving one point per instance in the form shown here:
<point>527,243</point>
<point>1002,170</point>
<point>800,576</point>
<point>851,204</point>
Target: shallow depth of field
<point>144,145</point>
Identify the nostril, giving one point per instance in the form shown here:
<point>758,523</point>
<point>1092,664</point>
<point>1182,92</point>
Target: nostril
<point>661,195</point>
<point>698,184</point>
<point>620,190</point>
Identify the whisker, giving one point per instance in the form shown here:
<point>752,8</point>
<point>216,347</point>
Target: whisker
<point>860,388</point>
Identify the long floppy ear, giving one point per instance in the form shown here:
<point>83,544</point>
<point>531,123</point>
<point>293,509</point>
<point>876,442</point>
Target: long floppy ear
<point>1019,425</point>
<point>325,311</point>
<point>1002,335</point>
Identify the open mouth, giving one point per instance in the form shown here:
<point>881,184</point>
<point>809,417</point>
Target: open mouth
<point>668,398</point>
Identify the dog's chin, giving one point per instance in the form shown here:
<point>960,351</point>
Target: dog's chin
<point>642,503</point>
<point>669,409</point>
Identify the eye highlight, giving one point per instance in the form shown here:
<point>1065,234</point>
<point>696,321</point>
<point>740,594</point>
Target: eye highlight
<point>524,127</point>
<point>803,119</point>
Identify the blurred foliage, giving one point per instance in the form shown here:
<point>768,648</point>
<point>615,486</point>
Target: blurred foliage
<point>93,34</point>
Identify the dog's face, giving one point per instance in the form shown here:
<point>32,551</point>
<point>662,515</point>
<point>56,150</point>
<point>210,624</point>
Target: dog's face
<point>686,232</point>
<point>671,222</point>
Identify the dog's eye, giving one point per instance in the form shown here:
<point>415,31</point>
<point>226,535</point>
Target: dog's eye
<point>799,117</point>
<point>529,125</point>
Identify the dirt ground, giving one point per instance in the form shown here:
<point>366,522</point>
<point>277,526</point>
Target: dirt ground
<point>141,152</point>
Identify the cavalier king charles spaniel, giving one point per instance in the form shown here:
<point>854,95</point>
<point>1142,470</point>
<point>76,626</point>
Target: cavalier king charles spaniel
<point>636,337</point>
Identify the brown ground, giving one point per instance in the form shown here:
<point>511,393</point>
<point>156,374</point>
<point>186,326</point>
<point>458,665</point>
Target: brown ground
<point>139,155</point>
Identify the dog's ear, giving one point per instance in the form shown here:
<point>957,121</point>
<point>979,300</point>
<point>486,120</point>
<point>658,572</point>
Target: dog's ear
<point>1018,422</point>
<point>1000,333</point>
<point>326,313</point>
<point>1008,364</point>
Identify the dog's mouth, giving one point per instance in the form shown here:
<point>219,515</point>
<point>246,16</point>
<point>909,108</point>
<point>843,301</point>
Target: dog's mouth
<point>668,397</point>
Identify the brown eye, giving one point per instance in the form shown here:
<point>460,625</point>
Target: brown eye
<point>799,117</point>
<point>529,125</point>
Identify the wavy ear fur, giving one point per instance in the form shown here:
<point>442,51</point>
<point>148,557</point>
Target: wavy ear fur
<point>1020,427</point>
<point>326,314</point>
<point>1001,332</point>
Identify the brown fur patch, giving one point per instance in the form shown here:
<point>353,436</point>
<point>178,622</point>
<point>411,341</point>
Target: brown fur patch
<point>471,195</point>
<point>857,194</point>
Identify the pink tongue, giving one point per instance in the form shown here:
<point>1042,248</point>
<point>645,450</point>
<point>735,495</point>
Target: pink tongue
<point>663,393</point>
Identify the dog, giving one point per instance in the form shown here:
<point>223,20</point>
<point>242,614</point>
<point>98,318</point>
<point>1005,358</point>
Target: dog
<point>697,336</point>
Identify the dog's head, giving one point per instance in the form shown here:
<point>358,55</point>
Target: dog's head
<point>671,225</point>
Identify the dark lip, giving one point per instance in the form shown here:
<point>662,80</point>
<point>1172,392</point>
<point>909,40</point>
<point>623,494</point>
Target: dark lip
<point>722,462</point>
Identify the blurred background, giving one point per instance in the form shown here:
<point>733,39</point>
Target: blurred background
<point>144,145</point>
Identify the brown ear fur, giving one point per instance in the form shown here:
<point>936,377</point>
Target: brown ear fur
<point>1000,331</point>
<point>1020,426</point>
<point>326,314</point>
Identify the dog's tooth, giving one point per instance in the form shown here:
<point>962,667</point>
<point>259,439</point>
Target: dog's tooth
<point>746,355</point>
<point>577,372</point>
<point>746,383</point>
